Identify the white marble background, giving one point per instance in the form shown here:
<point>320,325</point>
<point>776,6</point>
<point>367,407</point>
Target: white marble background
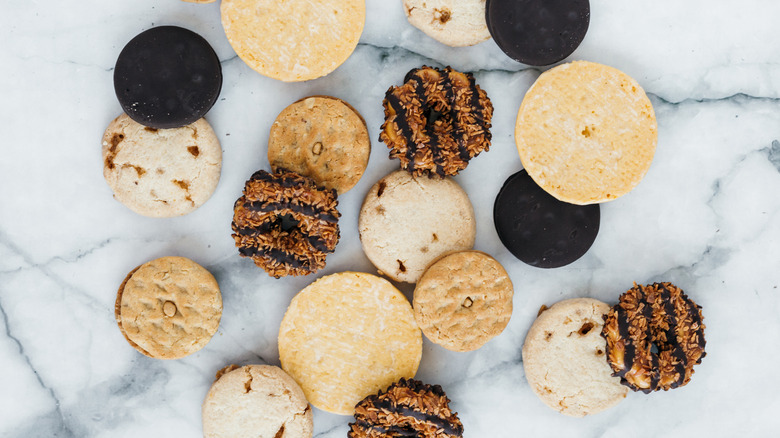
<point>706,217</point>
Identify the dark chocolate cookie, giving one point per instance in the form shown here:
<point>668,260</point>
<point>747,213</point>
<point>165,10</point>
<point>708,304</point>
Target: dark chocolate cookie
<point>539,229</point>
<point>167,77</point>
<point>538,32</point>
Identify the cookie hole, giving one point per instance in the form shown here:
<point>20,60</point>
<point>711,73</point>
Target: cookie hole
<point>317,148</point>
<point>547,390</point>
<point>146,128</point>
<point>381,189</point>
<point>194,151</point>
<point>586,132</point>
<point>599,352</point>
<point>548,336</point>
<point>401,266</point>
<point>586,328</point>
<point>169,308</point>
<point>443,15</point>
<point>435,237</point>
<point>467,302</point>
<point>287,222</point>
<point>653,348</point>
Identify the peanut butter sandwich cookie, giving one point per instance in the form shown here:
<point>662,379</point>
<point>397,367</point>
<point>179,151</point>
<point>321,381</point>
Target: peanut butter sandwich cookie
<point>463,300</point>
<point>168,308</point>
<point>323,138</point>
<point>256,401</point>
<point>346,336</point>
<point>456,23</point>
<point>586,132</point>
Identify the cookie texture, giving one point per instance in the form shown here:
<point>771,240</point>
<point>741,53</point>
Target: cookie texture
<point>323,138</point>
<point>285,223</point>
<point>346,336</point>
<point>408,408</point>
<point>564,359</point>
<point>456,23</point>
<point>168,308</point>
<point>161,172</point>
<point>586,132</point>
<point>406,223</point>
<point>437,121</point>
<point>256,401</point>
<point>293,40</point>
<point>463,300</point>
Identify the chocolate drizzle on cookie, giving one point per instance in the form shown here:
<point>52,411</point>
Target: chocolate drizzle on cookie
<point>285,223</point>
<point>436,121</point>
<point>409,408</point>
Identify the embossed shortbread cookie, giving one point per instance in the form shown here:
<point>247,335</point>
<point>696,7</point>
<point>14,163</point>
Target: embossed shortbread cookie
<point>346,336</point>
<point>455,23</point>
<point>169,307</point>
<point>463,300</point>
<point>161,172</point>
<point>256,401</point>
<point>407,222</point>
<point>586,132</point>
<point>293,40</point>
<point>323,138</point>
<point>564,359</point>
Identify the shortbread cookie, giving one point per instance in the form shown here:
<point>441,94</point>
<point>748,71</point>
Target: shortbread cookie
<point>161,172</point>
<point>346,336</point>
<point>586,132</point>
<point>564,359</point>
<point>323,138</point>
<point>168,308</point>
<point>456,23</point>
<point>407,222</point>
<point>293,40</point>
<point>463,300</point>
<point>256,401</point>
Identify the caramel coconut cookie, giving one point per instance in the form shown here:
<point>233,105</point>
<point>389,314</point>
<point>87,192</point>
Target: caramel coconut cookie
<point>285,223</point>
<point>455,23</point>
<point>436,121</point>
<point>659,315</point>
<point>408,408</point>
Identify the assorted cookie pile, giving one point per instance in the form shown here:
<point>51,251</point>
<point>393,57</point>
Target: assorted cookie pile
<point>585,133</point>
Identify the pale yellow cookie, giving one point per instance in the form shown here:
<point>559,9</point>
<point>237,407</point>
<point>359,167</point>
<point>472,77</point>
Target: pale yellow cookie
<point>256,401</point>
<point>456,23</point>
<point>564,359</point>
<point>323,138</point>
<point>347,336</point>
<point>586,132</point>
<point>463,300</point>
<point>293,40</point>
<point>161,172</point>
<point>168,308</point>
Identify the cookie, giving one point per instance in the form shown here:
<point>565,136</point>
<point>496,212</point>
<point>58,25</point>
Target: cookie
<point>539,229</point>
<point>564,359</point>
<point>293,40</point>
<point>538,32</point>
<point>256,401</point>
<point>407,222</point>
<point>408,408</point>
<point>463,300</point>
<point>168,308</point>
<point>346,336</point>
<point>586,132</point>
<point>456,23</point>
<point>323,138</point>
<point>167,77</point>
<point>161,172</point>
<point>285,223</point>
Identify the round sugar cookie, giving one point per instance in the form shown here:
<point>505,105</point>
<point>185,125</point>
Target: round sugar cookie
<point>293,40</point>
<point>407,222</point>
<point>323,138</point>
<point>346,336</point>
<point>586,132</point>
<point>456,23</point>
<point>463,300</point>
<point>168,308</point>
<point>564,359</point>
<point>256,401</point>
<point>161,172</point>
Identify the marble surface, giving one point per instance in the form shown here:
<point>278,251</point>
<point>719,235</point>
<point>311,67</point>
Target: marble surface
<point>706,217</point>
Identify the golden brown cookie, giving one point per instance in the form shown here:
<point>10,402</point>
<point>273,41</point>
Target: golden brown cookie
<point>293,40</point>
<point>586,132</point>
<point>168,308</point>
<point>346,336</point>
<point>463,300</point>
<point>323,138</point>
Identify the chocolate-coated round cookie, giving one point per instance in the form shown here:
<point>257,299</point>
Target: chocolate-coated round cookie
<point>167,77</point>
<point>537,32</point>
<point>539,229</point>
